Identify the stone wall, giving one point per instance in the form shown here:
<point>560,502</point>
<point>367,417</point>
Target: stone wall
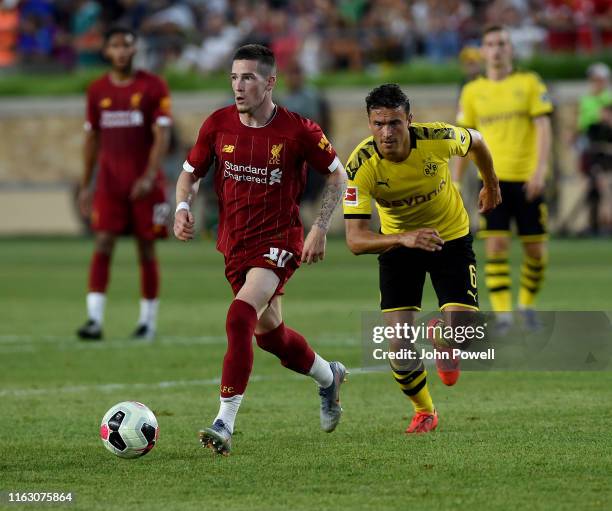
<point>40,147</point>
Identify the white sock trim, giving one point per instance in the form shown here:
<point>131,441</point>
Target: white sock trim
<point>148,312</point>
<point>95,306</point>
<point>228,409</point>
<point>321,372</point>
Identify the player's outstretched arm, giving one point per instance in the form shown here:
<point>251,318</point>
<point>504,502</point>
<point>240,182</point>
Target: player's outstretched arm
<point>90,155</point>
<point>186,189</point>
<point>362,240</point>
<point>314,245</point>
<point>490,195</point>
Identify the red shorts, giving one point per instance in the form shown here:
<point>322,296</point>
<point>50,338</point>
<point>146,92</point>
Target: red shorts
<point>282,262</point>
<point>146,218</point>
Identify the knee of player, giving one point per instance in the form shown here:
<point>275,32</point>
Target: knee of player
<point>105,243</point>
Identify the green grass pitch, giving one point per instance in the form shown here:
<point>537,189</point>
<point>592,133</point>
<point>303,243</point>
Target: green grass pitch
<point>506,440</point>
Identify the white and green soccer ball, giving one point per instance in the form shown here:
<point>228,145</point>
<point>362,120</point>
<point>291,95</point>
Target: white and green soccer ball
<point>129,429</point>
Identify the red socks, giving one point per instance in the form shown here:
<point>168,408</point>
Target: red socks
<point>149,278</point>
<point>99,275</point>
<point>289,346</point>
<point>99,272</point>
<point>238,361</point>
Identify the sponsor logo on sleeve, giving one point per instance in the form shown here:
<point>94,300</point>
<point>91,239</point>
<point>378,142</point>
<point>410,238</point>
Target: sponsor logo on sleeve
<point>325,144</point>
<point>165,105</point>
<point>351,196</point>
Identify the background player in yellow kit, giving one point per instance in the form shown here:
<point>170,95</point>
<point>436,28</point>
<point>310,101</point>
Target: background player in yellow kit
<point>511,109</point>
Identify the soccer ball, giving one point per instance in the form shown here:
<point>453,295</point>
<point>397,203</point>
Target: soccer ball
<point>129,429</point>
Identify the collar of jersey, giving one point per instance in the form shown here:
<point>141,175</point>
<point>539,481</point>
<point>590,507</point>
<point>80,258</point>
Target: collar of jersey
<point>272,117</point>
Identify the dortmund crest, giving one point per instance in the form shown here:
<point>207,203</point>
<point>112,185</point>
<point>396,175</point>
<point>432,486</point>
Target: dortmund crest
<point>430,169</point>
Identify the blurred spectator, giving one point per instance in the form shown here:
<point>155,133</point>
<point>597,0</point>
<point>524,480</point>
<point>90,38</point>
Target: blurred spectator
<point>9,27</point>
<point>600,155</point>
<point>525,35</point>
<point>599,95</point>
<point>321,34</point>
<point>284,42</point>
<point>165,31</point>
<point>387,32</point>
<point>130,13</point>
<point>308,102</point>
<point>439,23</point>
<point>87,31</point>
<point>559,18</point>
<point>36,31</point>
<point>589,111</point>
<point>217,47</point>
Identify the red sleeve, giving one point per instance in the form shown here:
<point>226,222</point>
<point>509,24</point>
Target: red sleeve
<point>161,104</point>
<point>202,154</point>
<point>318,151</point>
<point>92,114</point>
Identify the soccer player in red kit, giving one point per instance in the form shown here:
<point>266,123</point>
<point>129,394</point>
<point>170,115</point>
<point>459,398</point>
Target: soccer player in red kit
<point>259,153</point>
<point>127,134</point>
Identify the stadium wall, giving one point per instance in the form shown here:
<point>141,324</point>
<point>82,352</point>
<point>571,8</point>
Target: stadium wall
<point>40,150</point>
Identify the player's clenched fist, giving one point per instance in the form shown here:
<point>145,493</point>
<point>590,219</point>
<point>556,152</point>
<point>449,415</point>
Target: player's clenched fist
<point>184,225</point>
<point>425,239</point>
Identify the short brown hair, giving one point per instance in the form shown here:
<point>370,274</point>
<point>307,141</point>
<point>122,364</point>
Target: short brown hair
<point>261,54</point>
<point>489,29</point>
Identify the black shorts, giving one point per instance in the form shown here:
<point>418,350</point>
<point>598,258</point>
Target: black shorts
<point>530,217</point>
<point>452,271</point>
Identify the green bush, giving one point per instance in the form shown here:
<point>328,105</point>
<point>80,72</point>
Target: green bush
<point>418,71</point>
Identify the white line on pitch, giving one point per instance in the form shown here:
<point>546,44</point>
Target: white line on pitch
<point>111,387</point>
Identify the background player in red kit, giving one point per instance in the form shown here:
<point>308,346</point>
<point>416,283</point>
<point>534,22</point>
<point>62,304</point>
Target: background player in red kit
<point>259,152</point>
<point>127,133</point>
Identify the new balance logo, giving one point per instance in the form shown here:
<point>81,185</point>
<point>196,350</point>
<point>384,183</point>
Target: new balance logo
<point>277,257</point>
<point>227,148</point>
<point>275,176</point>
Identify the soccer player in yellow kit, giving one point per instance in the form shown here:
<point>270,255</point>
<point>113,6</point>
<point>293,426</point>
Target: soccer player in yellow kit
<point>424,228</point>
<point>511,109</point>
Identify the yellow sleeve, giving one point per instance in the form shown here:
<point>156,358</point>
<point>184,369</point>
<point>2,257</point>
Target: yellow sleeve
<point>466,116</point>
<point>539,99</point>
<point>460,142</point>
<point>357,201</point>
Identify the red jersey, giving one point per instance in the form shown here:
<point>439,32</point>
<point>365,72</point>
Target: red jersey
<point>124,115</point>
<point>260,175</point>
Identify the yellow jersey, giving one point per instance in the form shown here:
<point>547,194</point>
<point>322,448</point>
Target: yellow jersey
<point>503,112</point>
<point>416,192</point>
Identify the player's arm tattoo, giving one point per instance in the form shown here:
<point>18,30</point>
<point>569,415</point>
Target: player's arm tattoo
<point>332,194</point>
